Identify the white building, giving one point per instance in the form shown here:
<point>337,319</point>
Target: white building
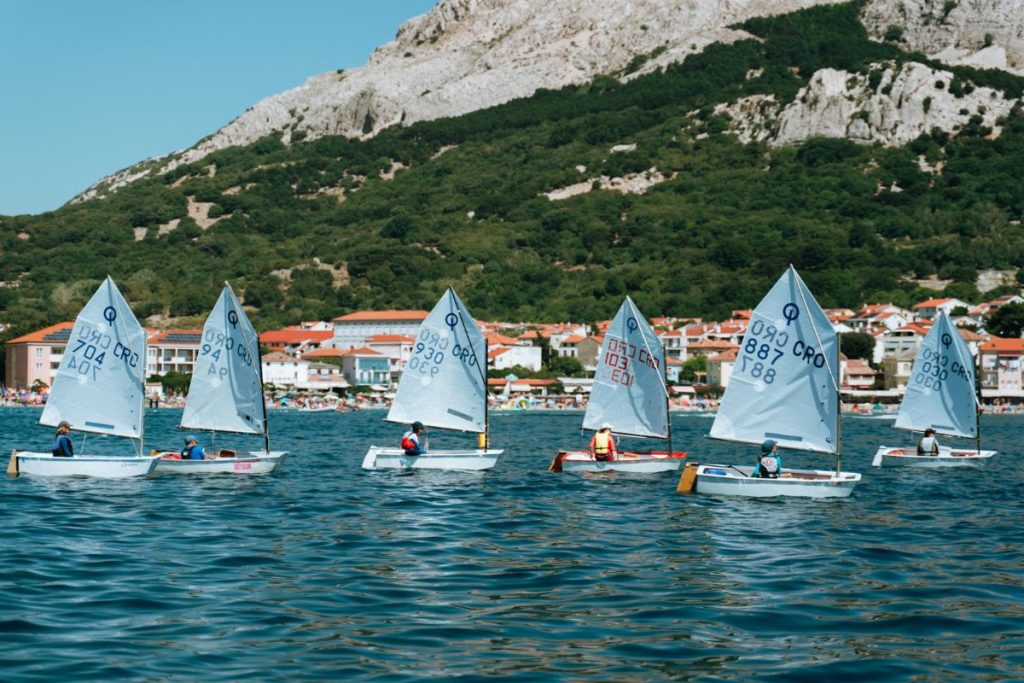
<point>356,329</point>
<point>172,351</point>
<point>930,308</point>
<point>285,371</point>
<point>505,357</point>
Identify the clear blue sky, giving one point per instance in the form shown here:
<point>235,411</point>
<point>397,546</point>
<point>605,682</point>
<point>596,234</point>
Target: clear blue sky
<point>88,88</point>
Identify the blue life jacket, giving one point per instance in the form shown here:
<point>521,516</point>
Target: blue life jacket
<point>62,447</point>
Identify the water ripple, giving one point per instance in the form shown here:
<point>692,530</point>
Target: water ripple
<point>326,571</point>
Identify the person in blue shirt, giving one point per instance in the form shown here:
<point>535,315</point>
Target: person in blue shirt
<point>62,446</point>
<point>769,464</point>
<point>192,449</point>
<point>411,441</point>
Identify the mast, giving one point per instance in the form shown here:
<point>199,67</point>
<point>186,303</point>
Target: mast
<point>263,397</point>
<point>977,408</point>
<point>486,438</point>
<point>668,406</point>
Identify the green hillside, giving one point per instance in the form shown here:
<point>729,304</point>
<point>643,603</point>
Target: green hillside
<point>709,240</point>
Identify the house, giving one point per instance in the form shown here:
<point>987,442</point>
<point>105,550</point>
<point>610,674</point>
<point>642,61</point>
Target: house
<point>673,340</point>
<point>875,316</point>
<point>709,347</point>
<point>986,309</point>
<point>720,366</point>
<point>583,349</point>
<point>35,357</point>
<point>927,310</point>
<point>324,377</point>
<point>283,370</point>
<point>906,338</point>
<point>355,329</point>
<point>1001,368</point>
<point>897,367</point>
<point>857,374</point>
<point>505,357</point>
<point>295,341</point>
<point>173,351</point>
<point>397,347</point>
<point>363,366</point>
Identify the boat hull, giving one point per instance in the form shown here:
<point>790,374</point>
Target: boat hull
<point>259,462</point>
<point>395,458</point>
<point>888,456</point>
<point>101,466</point>
<point>733,480</point>
<point>640,462</point>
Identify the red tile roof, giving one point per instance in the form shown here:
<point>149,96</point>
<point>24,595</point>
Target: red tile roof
<point>38,335</point>
<point>293,336</point>
<point>391,339</point>
<point>998,344</point>
<point>325,353</point>
<point>383,316</point>
<point>931,303</point>
<point>187,337</point>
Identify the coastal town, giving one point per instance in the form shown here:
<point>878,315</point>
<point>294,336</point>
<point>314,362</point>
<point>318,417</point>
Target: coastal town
<point>354,361</point>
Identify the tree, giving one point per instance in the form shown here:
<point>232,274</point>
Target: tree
<point>692,366</point>
<point>1007,321</point>
<point>566,366</point>
<point>857,345</point>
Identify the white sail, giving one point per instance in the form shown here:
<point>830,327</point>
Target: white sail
<point>99,386</point>
<point>444,384</point>
<point>226,393</point>
<point>940,391</point>
<point>784,385</point>
<point>629,391</point>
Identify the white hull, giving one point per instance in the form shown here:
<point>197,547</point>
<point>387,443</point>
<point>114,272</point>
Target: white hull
<point>635,463</point>
<point>259,462</point>
<point>395,458</point>
<point>948,457</point>
<point>102,466</point>
<point>733,480</point>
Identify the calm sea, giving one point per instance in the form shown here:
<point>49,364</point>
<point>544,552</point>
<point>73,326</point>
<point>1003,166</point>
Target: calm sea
<point>325,571</point>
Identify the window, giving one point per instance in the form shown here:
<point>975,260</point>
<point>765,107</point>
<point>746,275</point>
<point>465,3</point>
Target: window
<point>39,352</point>
<point>39,366</point>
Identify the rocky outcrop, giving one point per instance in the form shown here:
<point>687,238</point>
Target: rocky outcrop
<point>983,33</point>
<point>466,55</point>
<point>891,105</point>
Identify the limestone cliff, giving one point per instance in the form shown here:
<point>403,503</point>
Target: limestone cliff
<point>466,55</point>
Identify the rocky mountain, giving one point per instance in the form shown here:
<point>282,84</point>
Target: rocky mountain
<point>691,185</point>
<point>466,55</point>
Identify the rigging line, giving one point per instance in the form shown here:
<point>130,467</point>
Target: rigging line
<point>956,347</point>
<point>814,328</point>
<point>638,317</point>
<point>472,348</point>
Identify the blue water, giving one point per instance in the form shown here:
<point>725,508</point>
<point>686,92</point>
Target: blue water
<point>324,571</point>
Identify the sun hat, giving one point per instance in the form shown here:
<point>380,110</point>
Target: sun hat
<point>767,445</point>
<point>416,426</point>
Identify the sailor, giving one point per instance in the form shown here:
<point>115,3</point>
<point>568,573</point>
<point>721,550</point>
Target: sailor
<point>62,446</point>
<point>192,449</point>
<point>928,445</point>
<point>411,443</point>
<point>769,463</point>
<point>602,446</point>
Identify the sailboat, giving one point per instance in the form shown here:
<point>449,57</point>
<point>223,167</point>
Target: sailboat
<point>784,387</point>
<point>444,385</point>
<point>629,395</point>
<point>226,394</point>
<point>98,389</point>
<point>941,396</point>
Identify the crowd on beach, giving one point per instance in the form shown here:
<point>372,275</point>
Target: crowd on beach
<point>347,404</point>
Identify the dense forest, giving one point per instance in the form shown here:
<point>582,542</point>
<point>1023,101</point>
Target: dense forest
<point>318,228</point>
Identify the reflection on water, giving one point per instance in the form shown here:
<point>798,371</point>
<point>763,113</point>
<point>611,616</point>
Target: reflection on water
<point>325,570</point>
